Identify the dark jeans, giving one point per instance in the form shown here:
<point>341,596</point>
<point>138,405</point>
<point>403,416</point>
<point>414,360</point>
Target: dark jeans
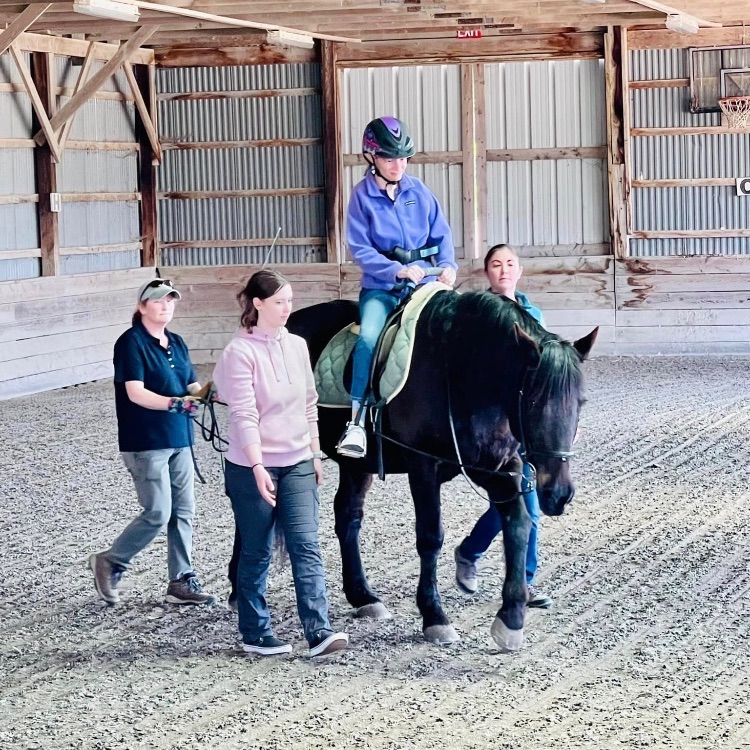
<point>490,525</point>
<point>296,512</point>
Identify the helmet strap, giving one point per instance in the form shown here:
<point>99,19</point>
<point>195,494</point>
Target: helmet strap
<point>391,186</point>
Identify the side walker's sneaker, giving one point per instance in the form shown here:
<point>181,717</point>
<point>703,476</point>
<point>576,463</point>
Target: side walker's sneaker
<point>106,577</point>
<point>353,443</point>
<point>537,600</point>
<point>187,590</point>
<point>466,573</point>
<point>326,644</point>
<point>267,645</point>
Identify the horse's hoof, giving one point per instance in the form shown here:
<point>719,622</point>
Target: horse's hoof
<point>507,640</point>
<point>374,611</point>
<point>441,635</point>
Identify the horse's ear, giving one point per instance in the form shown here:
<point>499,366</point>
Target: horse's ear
<point>530,347</point>
<point>583,345</point>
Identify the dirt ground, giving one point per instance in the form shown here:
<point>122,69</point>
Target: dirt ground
<point>646,646</point>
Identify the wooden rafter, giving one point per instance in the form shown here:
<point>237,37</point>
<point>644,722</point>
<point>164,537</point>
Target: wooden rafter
<point>92,85</point>
<point>20,24</point>
<point>36,102</point>
<point>143,111</point>
<point>669,10</point>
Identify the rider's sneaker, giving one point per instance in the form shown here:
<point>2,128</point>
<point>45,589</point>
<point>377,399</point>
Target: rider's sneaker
<point>106,577</point>
<point>538,600</point>
<point>466,573</point>
<point>353,443</point>
<point>187,590</point>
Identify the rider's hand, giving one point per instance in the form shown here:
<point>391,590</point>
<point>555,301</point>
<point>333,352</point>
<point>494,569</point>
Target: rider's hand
<point>265,484</point>
<point>414,274</point>
<point>448,276</point>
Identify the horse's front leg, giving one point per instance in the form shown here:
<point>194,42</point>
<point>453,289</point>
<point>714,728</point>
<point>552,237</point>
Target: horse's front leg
<point>425,491</point>
<point>349,510</point>
<point>507,629</point>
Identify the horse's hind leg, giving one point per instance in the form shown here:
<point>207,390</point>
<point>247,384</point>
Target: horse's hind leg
<point>349,509</point>
<point>507,629</point>
<point>425,491</point>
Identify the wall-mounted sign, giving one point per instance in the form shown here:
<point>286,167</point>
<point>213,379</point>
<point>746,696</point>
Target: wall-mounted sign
<point>469,33</point>
<point>743,186</point>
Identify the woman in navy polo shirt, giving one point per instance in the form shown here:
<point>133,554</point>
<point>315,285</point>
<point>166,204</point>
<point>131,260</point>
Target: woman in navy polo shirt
<point>154,396</point>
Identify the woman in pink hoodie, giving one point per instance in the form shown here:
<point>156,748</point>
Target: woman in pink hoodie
<point>273,465</point>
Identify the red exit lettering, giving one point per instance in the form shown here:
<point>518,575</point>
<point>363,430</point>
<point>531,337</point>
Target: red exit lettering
<point>469,33</point>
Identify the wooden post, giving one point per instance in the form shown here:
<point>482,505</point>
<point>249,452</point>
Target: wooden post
<point>46,169</point>
<point>615,142</point>
<point>474,151</point>
<point>332,153</point>
<point>144,77</point>
<point>627,124</point>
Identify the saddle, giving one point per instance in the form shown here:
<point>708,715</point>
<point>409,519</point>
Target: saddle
<point>391,360</point>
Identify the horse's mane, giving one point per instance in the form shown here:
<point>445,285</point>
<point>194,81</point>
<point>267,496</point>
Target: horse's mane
<point>478,318</point>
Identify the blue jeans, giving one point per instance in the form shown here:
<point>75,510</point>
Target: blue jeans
<point>375,305</point>
<point>491,524</point>
<point>296,512</point>
<point>164,483</point>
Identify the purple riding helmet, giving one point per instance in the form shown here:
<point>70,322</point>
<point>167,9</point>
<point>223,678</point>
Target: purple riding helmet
<point>388,138</point>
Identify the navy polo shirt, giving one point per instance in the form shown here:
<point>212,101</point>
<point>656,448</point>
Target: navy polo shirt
<point>168,372</point>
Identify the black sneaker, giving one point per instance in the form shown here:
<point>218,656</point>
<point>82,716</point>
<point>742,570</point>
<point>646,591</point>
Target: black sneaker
<point>538,600</point>
<point>267,645</point>
<point>328,643</point>
<point>187,590</point>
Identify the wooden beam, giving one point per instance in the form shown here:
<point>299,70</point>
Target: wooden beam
<point>627,132</point>
<point>82,75</point>
<point>19,24</point>
<point>46,170</point>
<point>248,94</point>
<point>58,45</point>
<point>659,234</point>
<point>107,70</point>
<point>421,157</point>
<point>143,113</point>
<point>470,240</point>
<point>198,194</point>
<point>660,83</point>
<point>697,182</point>
<point>247,242</point>
<point>670,10</point>
<point>144,82</point>
<point>221,54</point>
<point>547,154</point>
<point>168,144</point>
<point>332,153</point>
<point>480,159</point>
<point>613,83</point>
<point>664,39</point>
<point>239,22</point>
<point>40,107</point>
<point>697,130</point>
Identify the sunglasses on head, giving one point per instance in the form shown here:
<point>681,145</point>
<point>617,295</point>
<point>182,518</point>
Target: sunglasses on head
<point>156,283</point>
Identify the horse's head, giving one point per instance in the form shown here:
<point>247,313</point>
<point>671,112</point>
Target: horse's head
<point>549,408</point>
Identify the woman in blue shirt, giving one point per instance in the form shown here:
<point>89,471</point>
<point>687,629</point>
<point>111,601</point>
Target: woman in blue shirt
<point>395,230</point>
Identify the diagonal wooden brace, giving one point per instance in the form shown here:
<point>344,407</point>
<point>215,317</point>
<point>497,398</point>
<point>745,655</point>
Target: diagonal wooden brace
<point>19,24</point>
<point>93,84</point>
<point>143,111</point>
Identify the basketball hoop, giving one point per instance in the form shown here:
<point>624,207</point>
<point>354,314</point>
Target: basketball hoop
<point>737,111</point>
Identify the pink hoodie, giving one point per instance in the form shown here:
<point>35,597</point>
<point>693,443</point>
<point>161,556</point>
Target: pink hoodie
<point>268,384</point>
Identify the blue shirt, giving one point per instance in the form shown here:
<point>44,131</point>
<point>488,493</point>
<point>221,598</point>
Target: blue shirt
<point>532,310</point>
<point>375,224</point>
<point>168,372</point>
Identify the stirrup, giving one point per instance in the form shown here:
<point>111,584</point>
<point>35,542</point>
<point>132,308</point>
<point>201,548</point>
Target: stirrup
<point>353,443</point>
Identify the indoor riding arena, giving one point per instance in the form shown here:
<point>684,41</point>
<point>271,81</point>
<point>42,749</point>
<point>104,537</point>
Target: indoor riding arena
<point>606,141</point>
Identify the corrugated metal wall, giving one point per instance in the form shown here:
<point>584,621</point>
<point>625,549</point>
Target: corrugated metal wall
<point>683,157</point>
<point>428,99</point>
<point>18,223</point>
<point>546,104</point>
<point>199,134</point>
<point>98,224</point>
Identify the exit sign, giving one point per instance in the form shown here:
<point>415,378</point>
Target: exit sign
<point>469,33</point>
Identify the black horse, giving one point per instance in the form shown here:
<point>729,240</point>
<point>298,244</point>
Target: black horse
<point>487,383</point>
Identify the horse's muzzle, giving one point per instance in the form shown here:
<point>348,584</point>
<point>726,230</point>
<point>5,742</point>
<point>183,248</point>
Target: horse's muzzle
<point>554,498</point>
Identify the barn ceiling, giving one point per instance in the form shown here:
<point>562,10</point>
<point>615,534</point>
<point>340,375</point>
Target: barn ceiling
<point>369,20</point>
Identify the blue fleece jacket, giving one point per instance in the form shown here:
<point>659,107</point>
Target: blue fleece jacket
<point>532,310</point>
<point>375,224</point>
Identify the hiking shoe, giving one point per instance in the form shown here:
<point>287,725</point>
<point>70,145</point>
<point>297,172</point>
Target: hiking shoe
<point>328,644</point>
<point>538,600</point>
<point>267,645</point>
<point>106,577</point>
<point>466,573</point>
<point>187,590</point>
<point>353,443</point>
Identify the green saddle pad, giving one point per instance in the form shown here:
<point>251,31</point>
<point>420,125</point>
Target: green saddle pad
<point>329,369</point>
